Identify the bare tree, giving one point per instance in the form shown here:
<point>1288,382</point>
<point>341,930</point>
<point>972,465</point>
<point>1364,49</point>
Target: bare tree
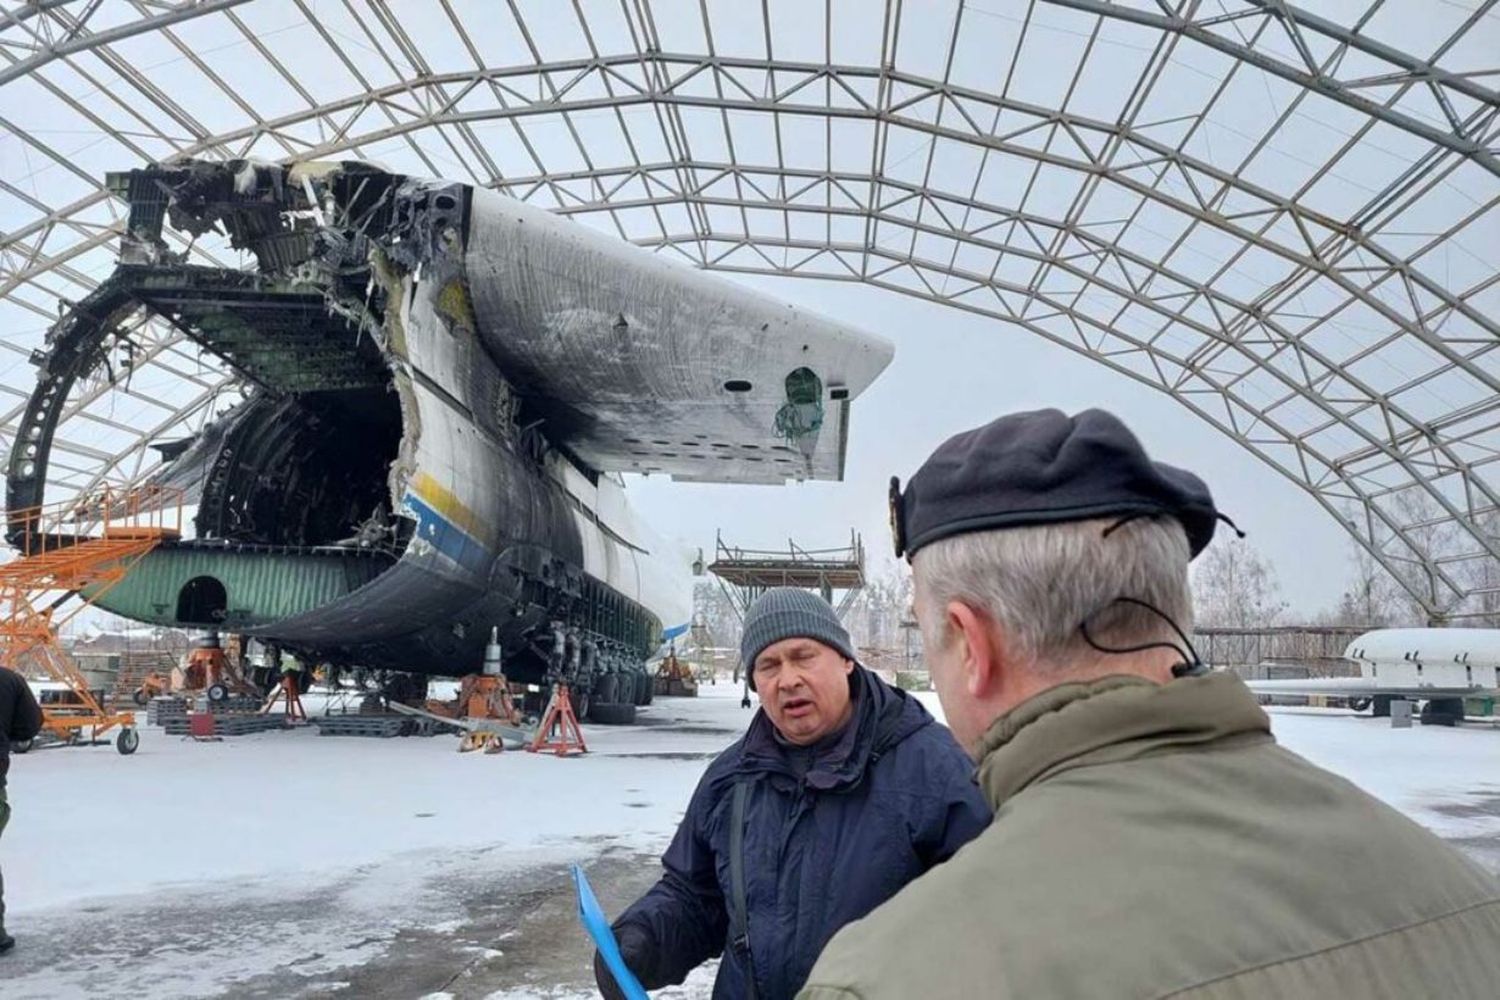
<point>1482,574</point>
<point>875,619</point>
<point>712,609</point>
<point>1234,586</point>
<point>1373,597</point>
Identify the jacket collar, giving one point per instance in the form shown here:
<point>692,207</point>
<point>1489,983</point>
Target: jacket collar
<point>883,716</point>
<point>1112,719</point>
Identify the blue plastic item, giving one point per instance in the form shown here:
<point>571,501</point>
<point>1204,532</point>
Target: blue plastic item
<point>594,921</point>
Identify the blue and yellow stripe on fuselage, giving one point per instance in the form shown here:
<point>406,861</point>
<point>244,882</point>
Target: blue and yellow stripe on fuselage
<point>447,524</point>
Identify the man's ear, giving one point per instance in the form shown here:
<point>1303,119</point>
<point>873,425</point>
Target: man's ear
<point>978,652</point>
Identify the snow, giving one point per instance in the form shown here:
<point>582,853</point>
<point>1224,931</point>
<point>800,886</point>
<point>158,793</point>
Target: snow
<point>371,837</point>
<point>191,812</point>
<point>315,855</point>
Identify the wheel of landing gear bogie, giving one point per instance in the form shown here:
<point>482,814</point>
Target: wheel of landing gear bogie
<point>606,689</point>
<point>20,746</point>
<point>1382,706</point>
<point>218,692</point>
<point>620,713</point>
<point>1359,704</point>
<point>127,742</point>
<point>1442,712</point>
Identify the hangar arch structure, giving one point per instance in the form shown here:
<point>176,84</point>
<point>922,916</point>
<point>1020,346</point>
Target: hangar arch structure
<point>1288,219</point>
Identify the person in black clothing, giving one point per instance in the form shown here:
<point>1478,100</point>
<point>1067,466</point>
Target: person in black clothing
<point>20,721</point>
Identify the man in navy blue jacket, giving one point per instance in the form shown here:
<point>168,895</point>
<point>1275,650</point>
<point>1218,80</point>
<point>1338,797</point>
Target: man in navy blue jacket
<point>842,790</point>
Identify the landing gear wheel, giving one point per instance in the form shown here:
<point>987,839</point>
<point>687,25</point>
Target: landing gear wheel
<point>127,741</point>
<point>606,689</point>
<point>20,746</point>
<point>612,714</point>
<point>1443,712</point>
<point>1360,704</point>
<point>218,692</point>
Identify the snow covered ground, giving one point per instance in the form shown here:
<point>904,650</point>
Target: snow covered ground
<point>293,865</point>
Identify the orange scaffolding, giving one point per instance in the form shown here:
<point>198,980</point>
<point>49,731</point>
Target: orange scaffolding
<point>87,544</point>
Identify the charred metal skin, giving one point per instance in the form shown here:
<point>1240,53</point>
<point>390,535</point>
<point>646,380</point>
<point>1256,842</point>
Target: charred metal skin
<point>444,384</point>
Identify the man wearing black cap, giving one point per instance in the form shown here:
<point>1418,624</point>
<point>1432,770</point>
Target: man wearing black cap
<point>1150,838</point>
<point>842,790</point>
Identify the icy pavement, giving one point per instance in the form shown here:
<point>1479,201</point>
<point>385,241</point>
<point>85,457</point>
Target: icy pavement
<point>293,865</point>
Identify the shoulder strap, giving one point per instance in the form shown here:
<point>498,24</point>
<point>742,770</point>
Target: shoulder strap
<point>739,924</point>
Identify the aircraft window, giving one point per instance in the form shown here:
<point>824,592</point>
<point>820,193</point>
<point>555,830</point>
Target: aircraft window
<point>737,385</point>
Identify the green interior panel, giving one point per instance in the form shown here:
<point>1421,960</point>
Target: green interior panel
<point>236,588</point>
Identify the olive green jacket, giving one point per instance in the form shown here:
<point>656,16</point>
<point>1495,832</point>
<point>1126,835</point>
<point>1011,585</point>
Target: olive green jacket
<point>1154,841</point>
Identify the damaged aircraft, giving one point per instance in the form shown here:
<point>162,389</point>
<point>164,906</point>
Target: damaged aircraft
<point>444,387</point>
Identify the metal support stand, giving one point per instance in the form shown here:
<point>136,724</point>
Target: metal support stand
<point>559,732</point>
<point>288,690</point>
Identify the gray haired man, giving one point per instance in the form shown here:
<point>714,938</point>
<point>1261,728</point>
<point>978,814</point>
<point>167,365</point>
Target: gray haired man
<point>1150,838</point>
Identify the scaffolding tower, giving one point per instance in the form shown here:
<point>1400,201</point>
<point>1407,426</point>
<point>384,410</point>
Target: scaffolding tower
<point>745,574</point>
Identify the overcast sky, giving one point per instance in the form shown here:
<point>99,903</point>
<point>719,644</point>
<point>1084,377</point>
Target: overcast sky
<point>954,371</point>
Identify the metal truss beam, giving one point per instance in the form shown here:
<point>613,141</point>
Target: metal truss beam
<point>1467,140</point>
<point>1339,349</point>
<point>1322,258</point>
<point>84,41</point>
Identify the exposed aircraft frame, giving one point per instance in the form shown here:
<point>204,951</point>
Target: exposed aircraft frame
<point>1256,344</point>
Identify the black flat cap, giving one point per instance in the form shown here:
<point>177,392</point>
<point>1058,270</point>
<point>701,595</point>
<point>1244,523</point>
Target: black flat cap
<point>1044,467</point>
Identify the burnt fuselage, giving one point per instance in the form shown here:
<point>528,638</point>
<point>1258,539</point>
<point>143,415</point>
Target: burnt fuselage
<point>443,384</point>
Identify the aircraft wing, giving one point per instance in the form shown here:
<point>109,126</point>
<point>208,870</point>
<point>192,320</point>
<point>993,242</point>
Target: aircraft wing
<point>635,363</point>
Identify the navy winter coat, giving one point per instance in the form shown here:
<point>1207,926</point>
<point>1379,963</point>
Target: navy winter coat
<point>892,799</point>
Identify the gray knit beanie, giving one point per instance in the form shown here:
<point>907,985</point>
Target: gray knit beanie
<point>790,613</point>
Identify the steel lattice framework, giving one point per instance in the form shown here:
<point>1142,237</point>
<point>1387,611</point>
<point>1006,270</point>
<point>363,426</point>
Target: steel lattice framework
<point>1287,220</point>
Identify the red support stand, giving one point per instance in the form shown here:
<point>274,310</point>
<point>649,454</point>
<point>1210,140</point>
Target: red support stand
<point>559,732</point>
<point>287,689</point>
